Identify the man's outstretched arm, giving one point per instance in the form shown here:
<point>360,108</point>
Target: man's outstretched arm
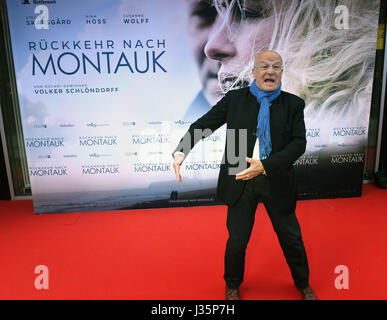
<point>200,129</point>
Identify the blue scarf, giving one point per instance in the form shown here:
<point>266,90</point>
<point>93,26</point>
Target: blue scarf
<point>263,128</point>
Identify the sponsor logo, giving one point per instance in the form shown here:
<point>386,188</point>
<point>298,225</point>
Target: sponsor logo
<point>129,123</point>
<point>44,1</point>
<point>38,1</point>
<point>131,153</point>
<point>66,125</point>
<point>181,122</point>
<point>98,155</point>
<point>345,145</point>
<point>95,125</point>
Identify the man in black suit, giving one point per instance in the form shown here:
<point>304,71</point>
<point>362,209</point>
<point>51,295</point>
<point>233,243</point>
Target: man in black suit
<point>266,124</point>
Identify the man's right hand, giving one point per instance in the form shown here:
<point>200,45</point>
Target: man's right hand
<point>178,160</point>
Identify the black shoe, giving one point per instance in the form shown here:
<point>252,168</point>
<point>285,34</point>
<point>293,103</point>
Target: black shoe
<point>232,294</point>
<point>307,293</point>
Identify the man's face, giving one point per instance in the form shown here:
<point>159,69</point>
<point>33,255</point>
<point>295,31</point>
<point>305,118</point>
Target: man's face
<point>267,70</point>
<point>236,41</point>
<point>201,19</point>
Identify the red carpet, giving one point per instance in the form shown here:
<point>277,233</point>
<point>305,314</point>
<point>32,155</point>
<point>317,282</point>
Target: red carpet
<point>178,253</point>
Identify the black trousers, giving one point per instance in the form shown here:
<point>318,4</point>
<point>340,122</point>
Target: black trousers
<point>240,221</point>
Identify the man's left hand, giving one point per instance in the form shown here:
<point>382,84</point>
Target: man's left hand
<point>256,168</point>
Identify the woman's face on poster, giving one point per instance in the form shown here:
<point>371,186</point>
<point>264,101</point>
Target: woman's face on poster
<point>240,32</point>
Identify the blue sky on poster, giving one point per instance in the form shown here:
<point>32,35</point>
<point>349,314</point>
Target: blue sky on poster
<point>141,98</point>
<point>167,22</point>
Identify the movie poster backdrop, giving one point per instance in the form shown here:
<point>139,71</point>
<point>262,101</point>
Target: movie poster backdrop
<point>108,87</point>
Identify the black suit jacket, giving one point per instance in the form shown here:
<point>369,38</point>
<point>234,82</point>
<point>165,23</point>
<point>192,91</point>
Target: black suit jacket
<point>239,109</point>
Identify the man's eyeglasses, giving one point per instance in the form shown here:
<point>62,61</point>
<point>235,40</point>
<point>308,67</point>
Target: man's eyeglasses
<point>264,68</point>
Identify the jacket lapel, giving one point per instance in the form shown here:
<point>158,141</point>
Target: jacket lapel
<point>252,111</point>
<point>277,114</point>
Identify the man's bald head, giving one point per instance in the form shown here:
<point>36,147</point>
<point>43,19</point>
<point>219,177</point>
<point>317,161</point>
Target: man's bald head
<point>267,70</point>
<point>268,54</point>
